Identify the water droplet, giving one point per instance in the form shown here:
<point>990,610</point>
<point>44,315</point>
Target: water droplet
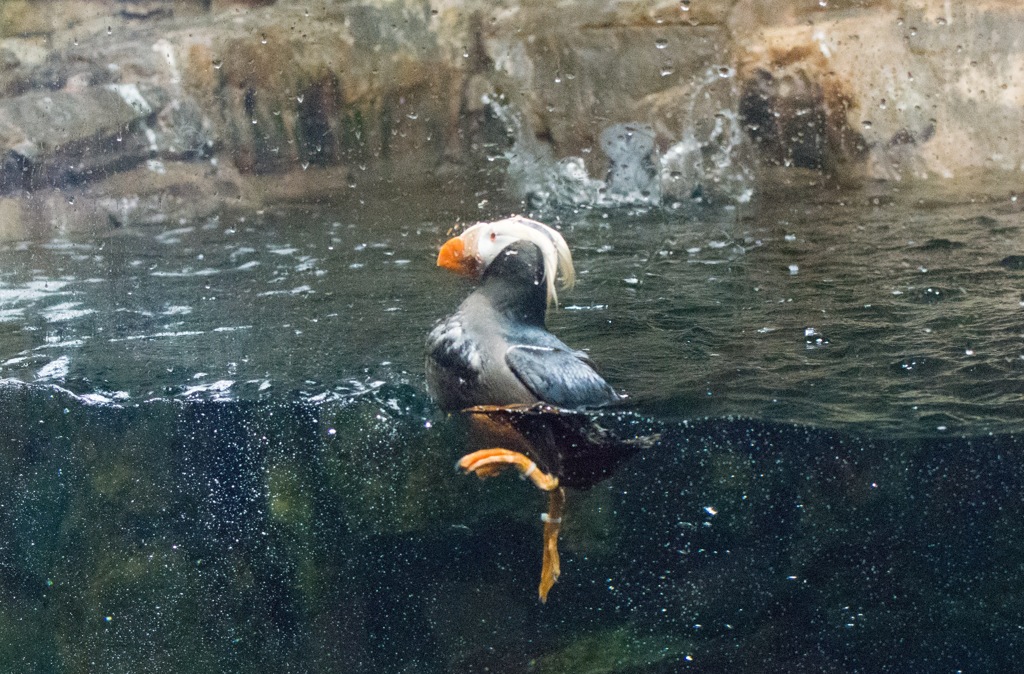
<point>300,98</point>
<point>305,165</point>
<point>217,63</point>
<point>941,21</point>
<point>263,39</point>
<point>724,71</point>
<point>110,31</point>
<point>866,123</point>
<point>254,120</point>
<point>667,70</point>
<point>684,5</point>
<point>412,115</point>
<point>661,43</point>
<point>823,3</point>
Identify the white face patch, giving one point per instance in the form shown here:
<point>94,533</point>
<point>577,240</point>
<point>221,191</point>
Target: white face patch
<point>486,240</point>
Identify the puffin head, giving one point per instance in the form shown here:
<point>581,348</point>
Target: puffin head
<point>471,252</point>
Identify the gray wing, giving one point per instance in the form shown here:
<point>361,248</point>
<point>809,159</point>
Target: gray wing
<point>559,376</point>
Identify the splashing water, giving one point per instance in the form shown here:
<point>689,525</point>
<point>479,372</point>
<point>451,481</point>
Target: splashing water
<point>708,160</point>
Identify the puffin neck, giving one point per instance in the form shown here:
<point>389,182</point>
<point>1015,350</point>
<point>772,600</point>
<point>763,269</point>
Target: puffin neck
<point>514,283</point>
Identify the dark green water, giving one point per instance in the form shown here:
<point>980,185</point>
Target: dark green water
<point>218,454</point>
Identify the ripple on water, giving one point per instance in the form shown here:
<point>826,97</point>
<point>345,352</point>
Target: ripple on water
<point>65,311</point>
<point>689,312</point>
<point>56,369</point>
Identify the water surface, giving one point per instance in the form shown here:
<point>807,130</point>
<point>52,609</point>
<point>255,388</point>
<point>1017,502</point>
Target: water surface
<point>832,309</point>
<point>218,453</point>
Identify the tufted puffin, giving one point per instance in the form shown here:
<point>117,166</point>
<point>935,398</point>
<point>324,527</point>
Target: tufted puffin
<point>523,389</point>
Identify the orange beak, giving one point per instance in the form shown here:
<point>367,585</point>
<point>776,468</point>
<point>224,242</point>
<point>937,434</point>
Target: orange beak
<point>452,257</point>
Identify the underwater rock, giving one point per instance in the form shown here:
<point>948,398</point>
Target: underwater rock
<point>335,536</point>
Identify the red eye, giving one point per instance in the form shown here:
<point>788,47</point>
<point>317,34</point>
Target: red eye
<point>494,235</point>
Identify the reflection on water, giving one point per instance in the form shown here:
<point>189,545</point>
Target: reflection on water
<point>223,457</point>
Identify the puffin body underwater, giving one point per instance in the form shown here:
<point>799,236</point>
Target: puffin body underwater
<point>523,389</point>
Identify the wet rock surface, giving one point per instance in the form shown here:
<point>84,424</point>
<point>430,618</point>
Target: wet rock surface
<point>731,92</point>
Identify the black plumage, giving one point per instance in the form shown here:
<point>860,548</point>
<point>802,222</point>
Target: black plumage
<point>523,391</point>
<point>496,350</point>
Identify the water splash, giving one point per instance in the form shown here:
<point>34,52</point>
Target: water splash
<point>533,171</point>
<point>634,163</point>
<point>708,160</point>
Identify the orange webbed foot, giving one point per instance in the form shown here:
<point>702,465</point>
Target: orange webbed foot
<point>490,462</point>
<point>551,565</point>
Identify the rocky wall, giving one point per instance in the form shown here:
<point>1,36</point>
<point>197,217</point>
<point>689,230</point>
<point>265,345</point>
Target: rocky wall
<point>134,112</point>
